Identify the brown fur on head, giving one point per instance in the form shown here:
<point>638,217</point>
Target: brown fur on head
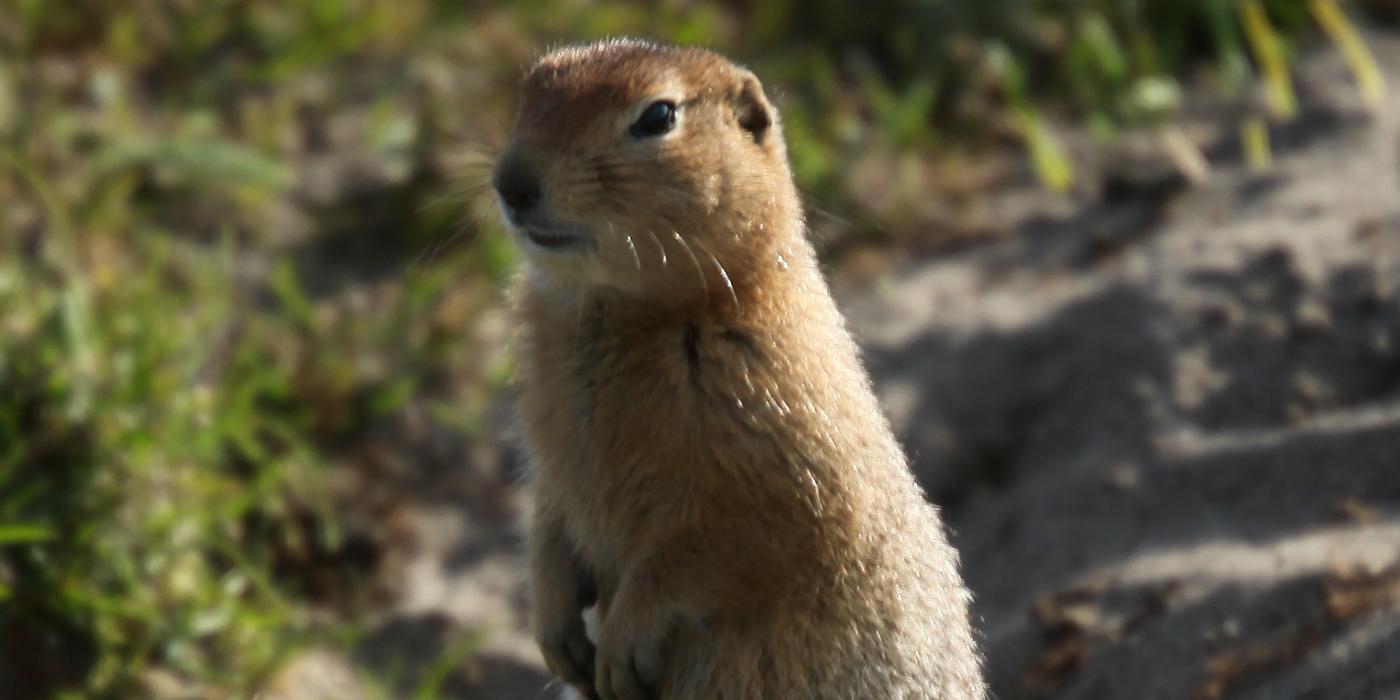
<point>674,216</point>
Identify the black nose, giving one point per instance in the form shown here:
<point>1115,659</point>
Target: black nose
<point>517,184</point>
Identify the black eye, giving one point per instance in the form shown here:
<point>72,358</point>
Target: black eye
<point>657,119</point>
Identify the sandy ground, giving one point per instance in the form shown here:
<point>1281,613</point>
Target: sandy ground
<point>1164,427</point>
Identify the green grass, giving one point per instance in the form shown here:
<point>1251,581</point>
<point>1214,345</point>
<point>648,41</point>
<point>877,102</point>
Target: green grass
<point>245,243</point>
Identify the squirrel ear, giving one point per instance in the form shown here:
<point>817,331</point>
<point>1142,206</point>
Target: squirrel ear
<point>751,108</point>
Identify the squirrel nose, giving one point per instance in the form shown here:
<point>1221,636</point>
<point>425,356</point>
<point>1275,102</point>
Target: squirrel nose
<point>517,184</point>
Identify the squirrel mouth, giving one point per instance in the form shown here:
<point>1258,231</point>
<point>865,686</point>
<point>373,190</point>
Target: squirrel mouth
<point>553,240</point>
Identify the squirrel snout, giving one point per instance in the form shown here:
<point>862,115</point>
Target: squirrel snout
<point>517,183</point>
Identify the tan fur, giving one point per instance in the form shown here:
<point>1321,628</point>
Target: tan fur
<point>705,447</point>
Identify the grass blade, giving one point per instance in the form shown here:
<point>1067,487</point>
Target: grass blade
<point>24,533</point>
<point>1268,51</point>
<point>1052,166</point>
<point>1358,56</point>
<point>1048,157</point>
<point>1254,134</point>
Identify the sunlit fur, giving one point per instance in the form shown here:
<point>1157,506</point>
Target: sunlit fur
<point>704,444</point>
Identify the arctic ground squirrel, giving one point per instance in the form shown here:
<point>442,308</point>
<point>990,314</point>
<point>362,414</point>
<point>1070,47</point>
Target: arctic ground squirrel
<point>709,465</point>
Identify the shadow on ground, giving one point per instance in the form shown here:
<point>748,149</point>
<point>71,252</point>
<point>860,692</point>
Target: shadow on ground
<point>411,650</point>
<point>1165,429</point>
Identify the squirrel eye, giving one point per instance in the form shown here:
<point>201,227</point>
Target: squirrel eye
<point>657,119</point>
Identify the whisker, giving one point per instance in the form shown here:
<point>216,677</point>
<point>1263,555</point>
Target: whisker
<point>413,265</point>
<point>704,285</point>
<point>442,246</point>
<point>659,247</point>
<point>864,221</point>
<point>636,259</point>
<point>449,197</point>
<point>724,275</point>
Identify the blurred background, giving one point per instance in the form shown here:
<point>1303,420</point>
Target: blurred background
<point>1125,271</point>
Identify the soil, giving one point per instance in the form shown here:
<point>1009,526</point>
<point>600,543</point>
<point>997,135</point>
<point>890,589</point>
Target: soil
<point>1165,426</point>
